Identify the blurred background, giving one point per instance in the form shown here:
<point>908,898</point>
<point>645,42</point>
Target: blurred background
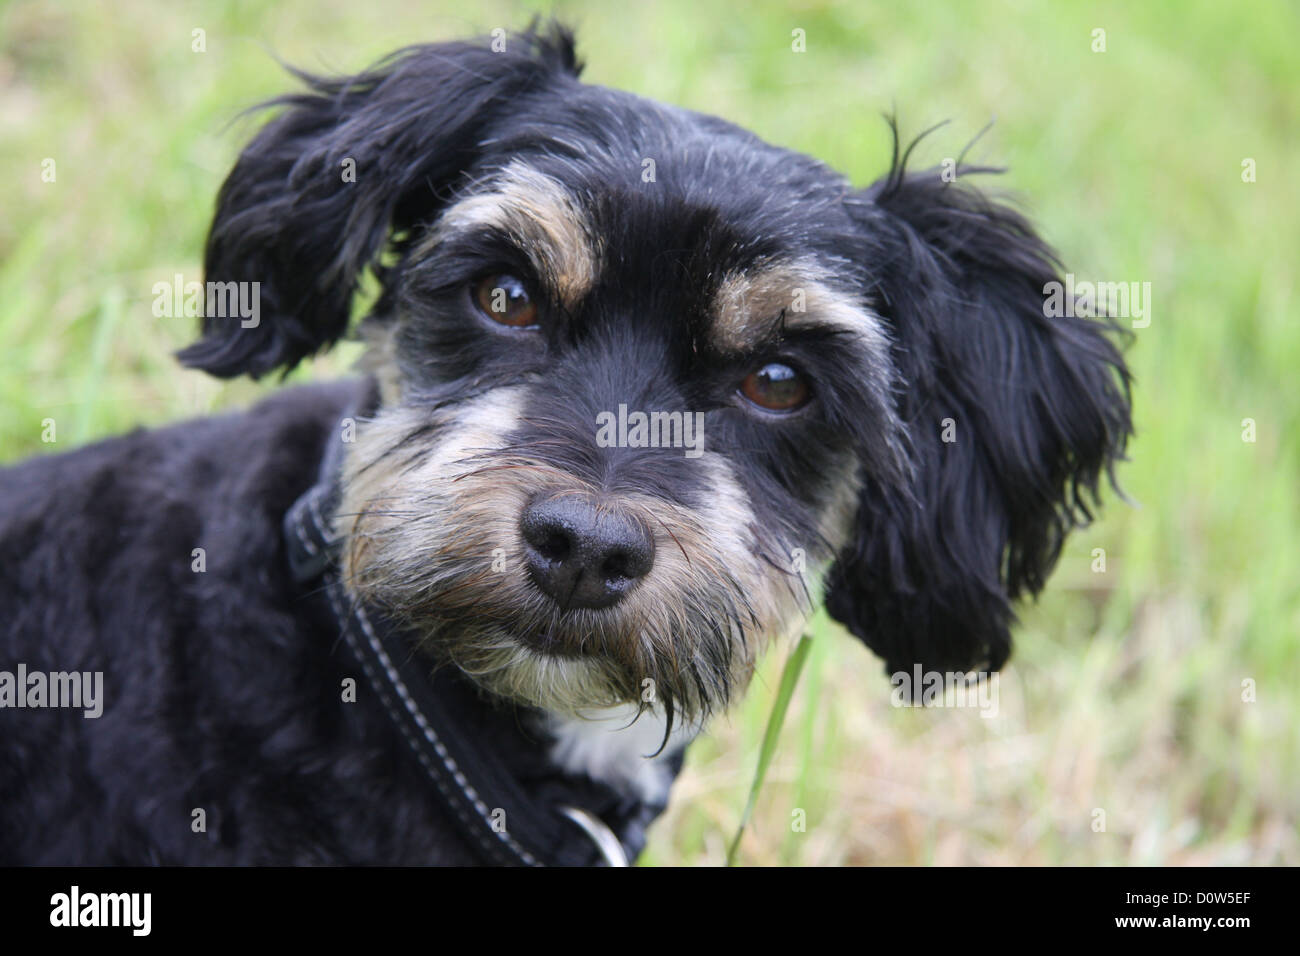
<point>1163,691</point>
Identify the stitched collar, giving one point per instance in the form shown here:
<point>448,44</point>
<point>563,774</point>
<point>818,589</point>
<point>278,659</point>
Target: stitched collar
<point>514,805</point>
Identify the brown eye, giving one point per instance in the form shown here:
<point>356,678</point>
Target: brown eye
<point>776,387</point>
<point>504,299</point>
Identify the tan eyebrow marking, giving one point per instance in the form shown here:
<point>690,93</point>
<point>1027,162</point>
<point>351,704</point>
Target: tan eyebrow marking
<point>749,305</point>
<point>542,217</point>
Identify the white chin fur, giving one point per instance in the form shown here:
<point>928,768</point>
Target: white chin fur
<point>609,746</point>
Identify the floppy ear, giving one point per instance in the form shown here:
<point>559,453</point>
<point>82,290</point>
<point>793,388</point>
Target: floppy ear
<point>316,195</point>
<point>1013,417</point>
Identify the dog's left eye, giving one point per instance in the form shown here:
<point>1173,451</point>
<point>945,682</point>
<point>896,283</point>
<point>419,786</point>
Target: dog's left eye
<point>504,299</point>
<point>775,387</point>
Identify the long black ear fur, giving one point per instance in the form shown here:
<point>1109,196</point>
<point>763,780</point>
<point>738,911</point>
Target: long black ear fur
<point>286,217</point>
<point>1039,410</point>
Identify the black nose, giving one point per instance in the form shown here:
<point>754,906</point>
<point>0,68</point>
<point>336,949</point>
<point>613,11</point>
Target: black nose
<point>584,553</point>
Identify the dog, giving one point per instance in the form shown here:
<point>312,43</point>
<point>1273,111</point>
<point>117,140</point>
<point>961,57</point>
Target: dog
<point>641,391</point>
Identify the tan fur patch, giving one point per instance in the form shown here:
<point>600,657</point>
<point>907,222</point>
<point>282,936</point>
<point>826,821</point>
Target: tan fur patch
<point>542,218</point>
<point>749,305</point>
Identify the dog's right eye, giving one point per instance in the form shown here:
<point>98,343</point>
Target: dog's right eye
<point>776,388</point>
<point>505,300</point>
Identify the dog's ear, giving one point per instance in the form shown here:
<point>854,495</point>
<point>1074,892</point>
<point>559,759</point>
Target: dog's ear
<point>315,197</point>
<point>1013,418</point>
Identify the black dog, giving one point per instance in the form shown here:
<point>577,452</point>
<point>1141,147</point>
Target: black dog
<point>641,390</point>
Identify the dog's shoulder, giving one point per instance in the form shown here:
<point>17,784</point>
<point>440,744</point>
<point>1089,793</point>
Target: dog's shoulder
<point>188,459</point>
<point>146,500</point>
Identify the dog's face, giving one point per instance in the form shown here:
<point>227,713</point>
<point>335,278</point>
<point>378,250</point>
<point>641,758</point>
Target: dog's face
<point>648,383</point>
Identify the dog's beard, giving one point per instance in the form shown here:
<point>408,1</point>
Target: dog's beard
<point>430,514</point>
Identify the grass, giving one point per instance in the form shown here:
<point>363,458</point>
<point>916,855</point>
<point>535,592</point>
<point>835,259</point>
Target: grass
<point>771,739</point>
<point>1125,694</point>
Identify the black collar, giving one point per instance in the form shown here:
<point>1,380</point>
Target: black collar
<point>514,805</point>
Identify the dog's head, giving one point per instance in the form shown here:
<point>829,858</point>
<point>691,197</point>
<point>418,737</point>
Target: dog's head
<point>651,385</point>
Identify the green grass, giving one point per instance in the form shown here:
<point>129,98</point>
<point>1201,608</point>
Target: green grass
<point>1125,692</point>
